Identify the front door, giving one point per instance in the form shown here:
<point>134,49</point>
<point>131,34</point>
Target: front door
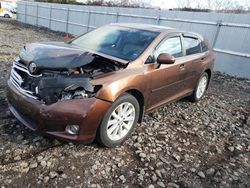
<point>167,80</point>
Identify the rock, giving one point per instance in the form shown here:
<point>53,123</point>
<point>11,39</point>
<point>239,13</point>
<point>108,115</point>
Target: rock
<point>39,158</point>
<point>19,137</point>
<point>193,170</point>
<point>140,177</point>
<point>164,160</point>
<point>25,170</point>
<point>236,173</point>
<point>173,185</point>
<point>161,184</point>
<point>201,174</point>
<point>36,139</point>
<point>53,174</point>
<point>24,164</point>
<point>25,142</point>
<point>210,171</point>
<point>177,165</point>
<point>231,148</point>
<point>33,165</point>
<point>107,169</point>
<point>17,158</point>
<point>142,155</point>
<point>153,156</point>
<point>49,164</point>
<point>248,120</point>
<point>176,157</point>
<point>122,178</point>
<point>64,176</point>
<point>142,172</point>
<point>154,178</point>
<point>158,173</point>
<point>239,147</point>
<point>46,179</point>
<point>43,164</point>
<point>151,186</point>
<point>139,139</point>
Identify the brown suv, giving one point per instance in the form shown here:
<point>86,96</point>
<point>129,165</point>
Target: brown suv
<point>100,84</point>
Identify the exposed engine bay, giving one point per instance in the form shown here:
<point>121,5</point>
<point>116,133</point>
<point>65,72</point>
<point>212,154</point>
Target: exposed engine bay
<point>74,84</point>
<point>52,84</point>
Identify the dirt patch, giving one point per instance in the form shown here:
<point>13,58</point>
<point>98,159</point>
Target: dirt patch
<point>183,144</point>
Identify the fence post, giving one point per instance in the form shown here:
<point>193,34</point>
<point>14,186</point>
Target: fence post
<point>25,21</point>
<point>88,22</point>
<point>158,18</point>
<point>67,21</point>
<point>37,14</point>
<point>117,17</point>
<point>218,26</point>
<point>50,15</point>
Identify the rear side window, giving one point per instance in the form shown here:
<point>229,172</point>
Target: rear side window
<point>192,45</point>
<point>171,46</point>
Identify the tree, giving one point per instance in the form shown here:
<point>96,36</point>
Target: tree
<point>217,5</point>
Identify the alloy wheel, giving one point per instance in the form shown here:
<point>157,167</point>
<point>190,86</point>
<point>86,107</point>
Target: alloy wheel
<point>201,87</point>
<point>121,121</point>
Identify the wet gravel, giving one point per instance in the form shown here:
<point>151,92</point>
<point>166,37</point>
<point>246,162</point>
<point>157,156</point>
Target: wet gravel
<point>183,144</point>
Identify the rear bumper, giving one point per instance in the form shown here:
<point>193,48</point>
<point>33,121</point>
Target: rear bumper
<point>52,119</point>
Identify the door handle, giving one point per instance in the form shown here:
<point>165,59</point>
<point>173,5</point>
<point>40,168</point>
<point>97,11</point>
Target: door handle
<point>182,66</point>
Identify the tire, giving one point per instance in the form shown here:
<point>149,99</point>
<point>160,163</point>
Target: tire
<point>196,95</point>
<point>6,16</point>
<point>112,130</point>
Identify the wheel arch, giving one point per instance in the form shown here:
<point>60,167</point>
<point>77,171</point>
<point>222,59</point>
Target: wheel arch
<point>209,72</point>
<point>140,98</point>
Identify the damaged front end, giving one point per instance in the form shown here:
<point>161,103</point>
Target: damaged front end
<point>51,78</point>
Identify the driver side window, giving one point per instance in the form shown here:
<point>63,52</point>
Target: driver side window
<point>171,46</point>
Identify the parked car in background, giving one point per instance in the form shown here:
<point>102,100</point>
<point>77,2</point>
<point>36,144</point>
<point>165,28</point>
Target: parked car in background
<point>13,10</point>
<point>4,12</point>
<point>100,84</point>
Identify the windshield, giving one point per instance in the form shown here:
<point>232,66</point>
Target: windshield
<point>124,43</point>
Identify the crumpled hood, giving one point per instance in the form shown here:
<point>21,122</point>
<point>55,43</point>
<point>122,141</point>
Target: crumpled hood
<point>55,55</point>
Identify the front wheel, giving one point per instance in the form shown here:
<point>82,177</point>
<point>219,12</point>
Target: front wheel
<point>200,89</point>
<point>119,121</point>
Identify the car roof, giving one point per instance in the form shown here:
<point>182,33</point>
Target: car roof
<point>149,27</point>
<point>158,28</point>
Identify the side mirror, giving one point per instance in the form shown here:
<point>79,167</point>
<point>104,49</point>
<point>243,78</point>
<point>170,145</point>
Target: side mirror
<point>68,38</point>
<point>165,59</point>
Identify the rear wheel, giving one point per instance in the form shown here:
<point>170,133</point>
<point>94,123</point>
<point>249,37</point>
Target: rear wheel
<point>119,121</point>
<point>200,89</point>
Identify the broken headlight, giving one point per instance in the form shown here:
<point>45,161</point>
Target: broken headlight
<point>78,94</point>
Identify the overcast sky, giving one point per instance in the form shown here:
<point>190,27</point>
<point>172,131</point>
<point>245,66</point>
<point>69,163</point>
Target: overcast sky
<point>166,4</point>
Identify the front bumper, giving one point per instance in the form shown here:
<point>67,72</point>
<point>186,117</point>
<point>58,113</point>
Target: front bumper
<point>52,119</point>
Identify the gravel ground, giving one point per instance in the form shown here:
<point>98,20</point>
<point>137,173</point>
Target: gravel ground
<point>183,144</point>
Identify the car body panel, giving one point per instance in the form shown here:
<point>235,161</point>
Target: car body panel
<point>52,119</point>
<point>4,12</point>
<point>157,83</point>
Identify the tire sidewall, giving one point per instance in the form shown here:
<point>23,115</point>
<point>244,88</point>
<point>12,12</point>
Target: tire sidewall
<point>102,132</point>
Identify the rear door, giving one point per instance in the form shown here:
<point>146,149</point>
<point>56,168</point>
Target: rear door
<point>194,58</point>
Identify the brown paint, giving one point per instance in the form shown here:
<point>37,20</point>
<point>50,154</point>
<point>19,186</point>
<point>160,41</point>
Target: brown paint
<point>158,84</point>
